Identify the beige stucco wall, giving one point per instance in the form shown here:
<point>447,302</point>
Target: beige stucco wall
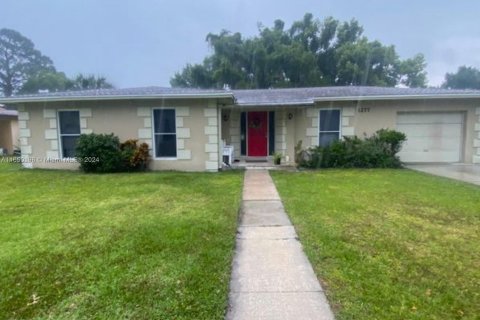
<point>8,133</point>
<point>365,117</point>
<point>231,128</point>
<point>198,130</point>
<point>14,128</point>
<point>201,125</point>
<point>476,135</point>
<point>382,114</point>
<point>357,118</point>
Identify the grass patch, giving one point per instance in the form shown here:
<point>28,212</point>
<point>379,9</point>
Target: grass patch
<point>119,246</point>
<point>389,244</point>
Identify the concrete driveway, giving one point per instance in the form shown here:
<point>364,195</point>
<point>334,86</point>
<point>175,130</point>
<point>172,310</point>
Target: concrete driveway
<point>463,172</point>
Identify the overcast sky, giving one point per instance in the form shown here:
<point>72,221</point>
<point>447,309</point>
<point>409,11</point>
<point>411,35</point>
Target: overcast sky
<point>144,42</point>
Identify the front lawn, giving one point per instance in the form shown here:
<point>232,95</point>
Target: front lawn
<point>119,246</point>
<point>389,244</point>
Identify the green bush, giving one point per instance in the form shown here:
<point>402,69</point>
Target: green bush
<point>99,153</point>
<point>378,151</point>
<point>103,153</point>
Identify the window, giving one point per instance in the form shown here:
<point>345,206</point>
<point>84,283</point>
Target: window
<point>165,133</point>
<point>69,123</point>
<point>329,127</point>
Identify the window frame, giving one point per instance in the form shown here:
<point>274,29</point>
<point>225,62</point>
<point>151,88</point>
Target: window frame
<point>154,134</point>
<point>330,131</point>
<point>61,135</point>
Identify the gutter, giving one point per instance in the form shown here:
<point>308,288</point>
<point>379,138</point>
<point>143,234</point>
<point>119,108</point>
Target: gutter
<point>114,97</point>
<point>398,97</point>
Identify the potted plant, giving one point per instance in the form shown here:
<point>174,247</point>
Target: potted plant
<point>277,158</point>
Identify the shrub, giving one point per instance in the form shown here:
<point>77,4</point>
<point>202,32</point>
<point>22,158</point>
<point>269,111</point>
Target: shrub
<point>378,151</point>
<point>134,157</point>
<point>105,148</point>
<point>392,140</point>
<point>102,153</point>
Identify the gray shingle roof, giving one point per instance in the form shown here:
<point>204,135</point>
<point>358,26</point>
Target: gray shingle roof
<point>290,96</point>
<point>119,94</point>
<point>142,91</point>
<point>309,95</point>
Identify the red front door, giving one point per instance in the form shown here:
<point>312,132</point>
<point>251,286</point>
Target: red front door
<point>257,134</point>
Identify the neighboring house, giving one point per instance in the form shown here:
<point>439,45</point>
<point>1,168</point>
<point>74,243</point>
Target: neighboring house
<point>8,130</point>
<point>186,128</point>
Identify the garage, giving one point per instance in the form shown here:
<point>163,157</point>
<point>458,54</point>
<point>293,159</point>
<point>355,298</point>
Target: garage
<point>432,137</point>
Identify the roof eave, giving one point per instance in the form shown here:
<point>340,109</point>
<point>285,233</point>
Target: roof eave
<point>398,97</point>
<point>274,104</point>
<point>116,97</point>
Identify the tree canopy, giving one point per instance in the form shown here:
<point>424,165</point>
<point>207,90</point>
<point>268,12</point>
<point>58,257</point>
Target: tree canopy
<point>464,78</point>
<point>58,81</point>
<point>18,61</point>
<point>309,53</point>
<point>24,69</point>
<point>86,82</point>
<point>45,80</point>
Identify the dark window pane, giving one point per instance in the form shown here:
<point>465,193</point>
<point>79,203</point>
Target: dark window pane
<point>165,145</point>
<point>327,137</point>
<point>69,122</point>
<point>243,133</point>
<point>68,146</point>
<point>164,120</point>
<point>329,120</point>
<point>271,132</point>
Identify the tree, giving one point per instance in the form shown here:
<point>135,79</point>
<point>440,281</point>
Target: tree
<point>366,63</point>
<point>413,72</point>
<point>193,76</point>
<point>46,80</point>
<point>309,53</point>
<point>86,82</point>
<point>464,78</point>
<point>19,60</point>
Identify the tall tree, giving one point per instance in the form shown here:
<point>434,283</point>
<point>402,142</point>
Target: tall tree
<point>464,78</point>
<point>309,53</point>
<point>19,60</point>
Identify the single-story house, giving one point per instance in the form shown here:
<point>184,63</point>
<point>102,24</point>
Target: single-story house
<point>187,129</point>
<point>8,131</point>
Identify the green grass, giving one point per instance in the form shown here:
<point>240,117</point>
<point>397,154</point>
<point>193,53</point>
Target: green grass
<point>389,244</point>
<point>119,246</point>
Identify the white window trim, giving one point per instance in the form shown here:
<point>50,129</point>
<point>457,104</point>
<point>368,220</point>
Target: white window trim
<point>154,145</point>
<point>60,135</point>
<point>340,137</point>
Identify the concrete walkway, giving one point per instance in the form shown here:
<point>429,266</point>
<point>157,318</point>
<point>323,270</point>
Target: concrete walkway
<point>271,278</point>
<point>463,172</point>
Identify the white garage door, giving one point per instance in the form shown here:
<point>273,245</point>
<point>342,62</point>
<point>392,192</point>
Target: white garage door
<point>432,137</point>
